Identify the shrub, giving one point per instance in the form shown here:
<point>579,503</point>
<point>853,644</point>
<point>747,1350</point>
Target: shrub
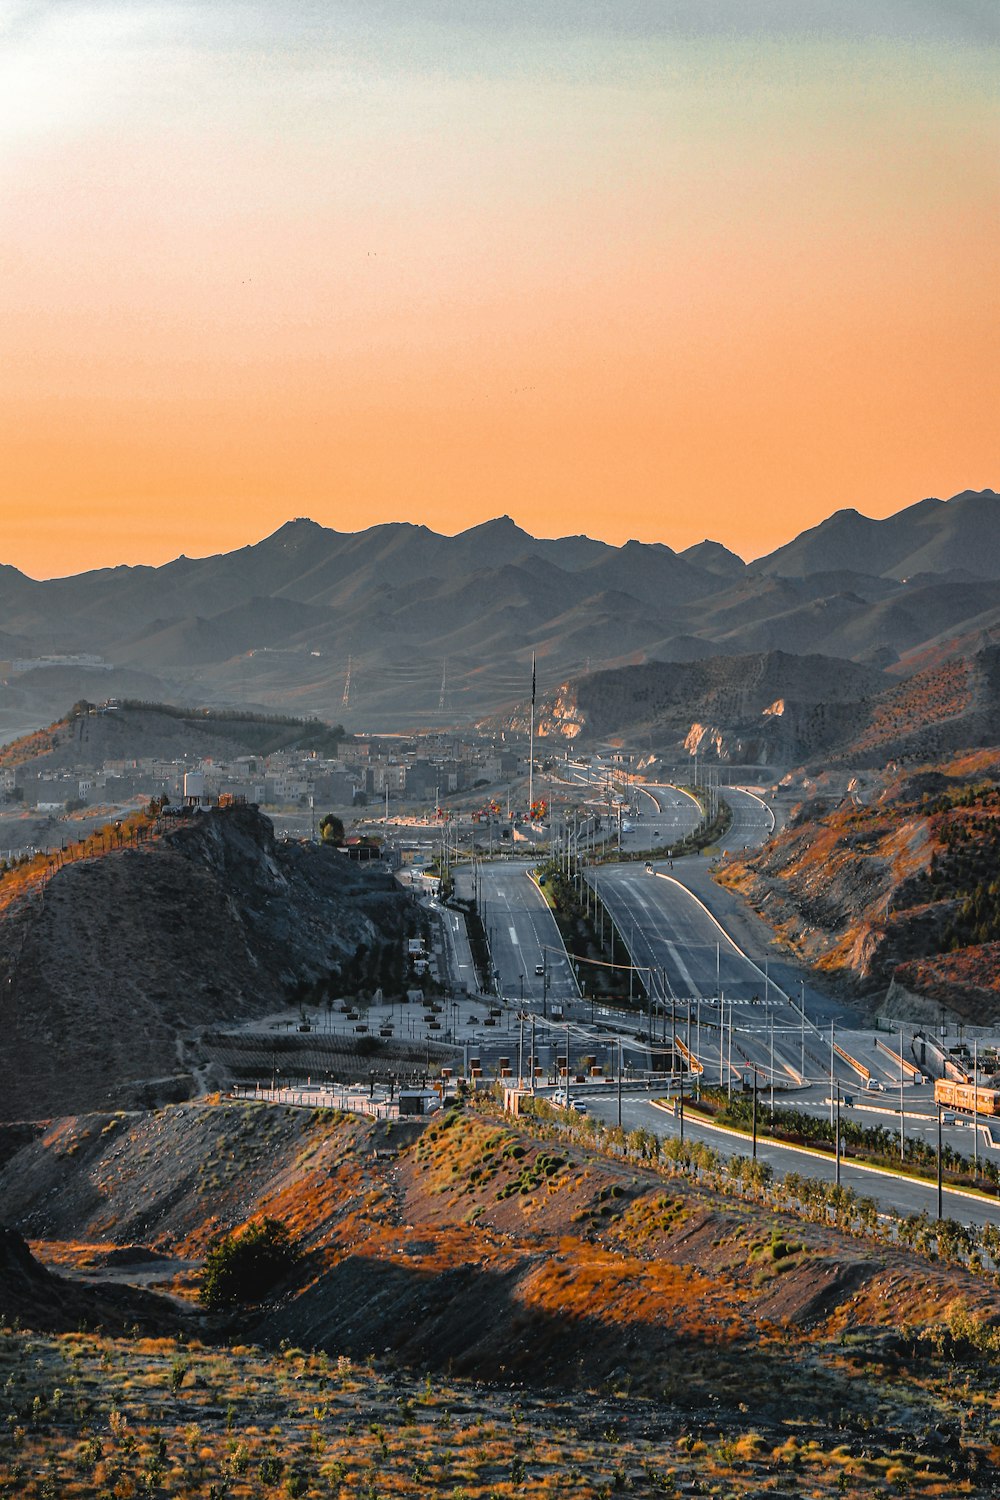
<point>243,1267</point>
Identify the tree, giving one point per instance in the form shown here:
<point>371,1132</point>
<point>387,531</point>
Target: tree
<point>242,1267</point>
<point>331,829</point>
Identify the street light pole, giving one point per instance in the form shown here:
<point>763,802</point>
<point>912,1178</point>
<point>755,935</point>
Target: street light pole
<point>902,1132</point>
<point>975,1109</point>
<point>755,1113</point>
<point>831,1072</point>
<point>940,1191</point>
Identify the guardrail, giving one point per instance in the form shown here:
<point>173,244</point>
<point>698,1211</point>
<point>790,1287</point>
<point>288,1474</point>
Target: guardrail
<point>852,1062</point>
<point>316,1098</point>
<point>915,1075</point>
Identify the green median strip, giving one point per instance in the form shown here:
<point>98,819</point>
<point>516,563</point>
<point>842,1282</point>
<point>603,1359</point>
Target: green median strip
<point>907,1174</point>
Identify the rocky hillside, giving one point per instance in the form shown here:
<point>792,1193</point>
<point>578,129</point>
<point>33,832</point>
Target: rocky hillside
<point>771,709</point>
<point>111,966</point>
<point>134,730</point>
<point>893,887</point>
<point>781,710</point>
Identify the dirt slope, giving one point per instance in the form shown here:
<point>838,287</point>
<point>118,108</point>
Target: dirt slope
<point>476,1246</point>
<point>899,890</point>
<point>112,966</point>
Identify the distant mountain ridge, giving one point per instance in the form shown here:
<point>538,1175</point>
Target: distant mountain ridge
<point>396,624</point>
<point>933,536</point>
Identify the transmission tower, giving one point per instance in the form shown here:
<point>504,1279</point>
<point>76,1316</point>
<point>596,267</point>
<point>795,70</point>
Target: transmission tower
<point>444,687</point>
<point>346,699</point>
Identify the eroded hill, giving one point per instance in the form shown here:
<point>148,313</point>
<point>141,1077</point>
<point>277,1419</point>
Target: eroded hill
<point>898,892</point>
<point>111,965</point>
<point>677,1329</point>
<point>780,709</point>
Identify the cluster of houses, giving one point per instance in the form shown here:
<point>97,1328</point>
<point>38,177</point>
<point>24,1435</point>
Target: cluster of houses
<point>416,770</point>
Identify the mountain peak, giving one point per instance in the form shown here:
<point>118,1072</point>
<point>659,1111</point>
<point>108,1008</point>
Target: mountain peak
<point>499,526</point>
<point>713,557</point>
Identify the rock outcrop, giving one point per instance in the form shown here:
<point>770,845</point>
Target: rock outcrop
<point>110,969</point>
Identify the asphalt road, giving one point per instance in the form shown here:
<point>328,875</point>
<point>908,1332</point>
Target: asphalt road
<point>657,817</point>
<point>523,937</point>
<point>902,1195</point>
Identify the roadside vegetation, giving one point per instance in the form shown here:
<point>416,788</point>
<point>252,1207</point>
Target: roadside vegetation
<point>476,1307</point>
<point>878,1145</point>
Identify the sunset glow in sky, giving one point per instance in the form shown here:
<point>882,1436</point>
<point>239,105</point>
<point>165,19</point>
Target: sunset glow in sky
<point>662,269</point>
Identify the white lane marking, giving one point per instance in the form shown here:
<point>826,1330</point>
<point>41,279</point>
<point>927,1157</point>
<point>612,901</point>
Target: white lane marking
<point>711,915</point>
<point>682,969</point>
<point>763,804</point>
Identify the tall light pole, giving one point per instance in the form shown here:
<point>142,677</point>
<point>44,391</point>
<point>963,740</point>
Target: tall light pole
<point>531,743</point>
<point>902,1127</point>
<point>831,1072</point>
<point>975,1108</point>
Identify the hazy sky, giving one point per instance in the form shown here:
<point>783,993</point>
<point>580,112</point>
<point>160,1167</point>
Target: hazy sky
<point>639,268</point>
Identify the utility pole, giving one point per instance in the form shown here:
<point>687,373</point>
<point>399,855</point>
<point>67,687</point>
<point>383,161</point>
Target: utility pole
<point>940,1190</point>
<point>722,1042</point>
<point>532,1044</point>
<point>838,1135</point>
<point>697,1045</point>
<point>619,1082</point>
<point>673,1035</point>
<point>831,1072</point>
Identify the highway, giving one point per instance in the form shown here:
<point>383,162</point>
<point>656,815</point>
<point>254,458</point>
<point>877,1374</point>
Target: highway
<point>658,817</point>
<point>902,1195</point>
<point>523,936</point>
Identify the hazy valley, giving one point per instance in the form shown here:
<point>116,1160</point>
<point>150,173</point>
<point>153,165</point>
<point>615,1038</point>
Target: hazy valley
<point>269,981</point>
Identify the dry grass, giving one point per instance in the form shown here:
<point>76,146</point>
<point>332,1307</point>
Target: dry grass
<point>88,1415</point>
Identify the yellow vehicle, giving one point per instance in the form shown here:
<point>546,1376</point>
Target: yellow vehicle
<point>966,1097</point>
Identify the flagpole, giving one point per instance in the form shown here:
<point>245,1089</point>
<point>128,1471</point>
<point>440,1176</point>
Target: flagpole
<point>531,744</point>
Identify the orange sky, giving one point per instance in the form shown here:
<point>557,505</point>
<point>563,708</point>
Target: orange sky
<point>632,278</point>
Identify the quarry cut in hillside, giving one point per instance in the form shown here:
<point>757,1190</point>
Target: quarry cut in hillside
<point>768,709</point>
<point>776,709</point>
<point>896,895</point>
<point>111,967</point>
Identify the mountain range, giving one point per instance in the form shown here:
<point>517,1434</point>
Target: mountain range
<point>398,625</point>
